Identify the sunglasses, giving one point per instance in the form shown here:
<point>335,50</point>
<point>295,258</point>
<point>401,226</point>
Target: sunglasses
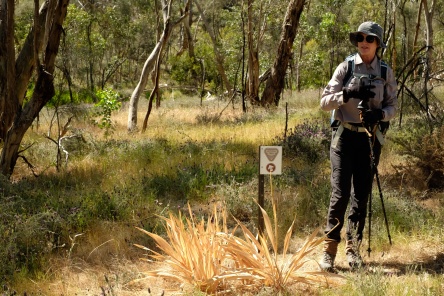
<point>368,38</point>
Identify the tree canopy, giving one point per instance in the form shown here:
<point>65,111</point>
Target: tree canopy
<point>106,42</point>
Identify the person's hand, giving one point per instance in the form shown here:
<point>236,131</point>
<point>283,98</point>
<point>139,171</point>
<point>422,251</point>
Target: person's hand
<point>371,117</point>
<point>360,92</point>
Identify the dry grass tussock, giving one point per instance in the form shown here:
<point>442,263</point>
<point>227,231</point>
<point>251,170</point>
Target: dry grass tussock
<point>211,259</point>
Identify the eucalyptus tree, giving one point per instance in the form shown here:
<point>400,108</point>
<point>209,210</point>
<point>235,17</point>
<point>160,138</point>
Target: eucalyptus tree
<point>260,22</point>
<point>186,36</point>
<point>153,60</point>
<point>255,32</point>
<point>36,59</point>
<point>214,65</point>
<point>276,81</point>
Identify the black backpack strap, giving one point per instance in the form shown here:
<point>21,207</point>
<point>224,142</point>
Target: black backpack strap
<point>350,67</point>
<point>384,67</point>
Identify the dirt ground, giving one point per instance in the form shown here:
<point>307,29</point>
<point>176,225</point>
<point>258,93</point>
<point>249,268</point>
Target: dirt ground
<point>126,277</point>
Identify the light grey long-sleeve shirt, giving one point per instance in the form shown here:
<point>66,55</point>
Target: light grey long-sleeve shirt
<point>332,97</point>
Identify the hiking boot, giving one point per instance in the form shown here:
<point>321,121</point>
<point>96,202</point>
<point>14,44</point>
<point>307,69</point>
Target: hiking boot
<point>327,262</point>
<point>354,259</point>
<point>329,251</point>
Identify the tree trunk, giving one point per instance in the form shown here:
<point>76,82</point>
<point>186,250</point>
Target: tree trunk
<point>44,89</point>
<point>244,101</point>
<point>8,104</point>
<point>418,25</point>
<point>298,66</point>
<point>147,68</point>
<point>14,79</point>
<point>253,59</point>
<point>90,72</point>
<point>187,42</point>
<point>150,63</point>
<point>26,61</point>
<point>275,83</point>
<point>428,15</point>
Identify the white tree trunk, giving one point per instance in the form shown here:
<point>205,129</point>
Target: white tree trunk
<point>147,68</point>
<point>428,15</point>
<point>151,62</point>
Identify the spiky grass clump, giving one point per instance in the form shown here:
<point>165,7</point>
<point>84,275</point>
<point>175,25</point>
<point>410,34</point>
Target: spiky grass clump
<point>213,260</point>
<point>194,253</point>
<point>252,255</point>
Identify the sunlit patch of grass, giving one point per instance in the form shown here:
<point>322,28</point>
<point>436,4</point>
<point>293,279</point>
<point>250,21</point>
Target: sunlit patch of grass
<point>379,282</point>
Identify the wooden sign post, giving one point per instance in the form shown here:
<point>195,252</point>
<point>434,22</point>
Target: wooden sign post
<point>270,163</point>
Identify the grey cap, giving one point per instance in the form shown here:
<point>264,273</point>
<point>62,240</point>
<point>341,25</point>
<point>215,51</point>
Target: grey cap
<point>369,28</point>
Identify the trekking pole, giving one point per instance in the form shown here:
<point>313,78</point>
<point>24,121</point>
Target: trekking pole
<point>363,106</point>
<point>374,170</point>
<point>369,250</point>
<point>382,200</point>
<point>372,167</point>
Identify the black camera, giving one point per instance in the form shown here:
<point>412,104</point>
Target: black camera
<point>363,79</point>
<point>363,105</point>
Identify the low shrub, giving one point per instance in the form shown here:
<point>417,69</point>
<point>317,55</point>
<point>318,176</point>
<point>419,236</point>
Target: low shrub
<point>309,140</point>
<point>421,146</point>
<point>27,236</point>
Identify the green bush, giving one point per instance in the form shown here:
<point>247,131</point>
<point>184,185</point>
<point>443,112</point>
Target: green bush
<point>108,103</point>
<point>422,147</point>
<point>63,98</point>
<point>189,71</point>
<point>185,69</point>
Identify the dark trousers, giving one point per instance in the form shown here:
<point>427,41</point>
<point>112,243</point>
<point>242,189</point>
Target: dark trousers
<point>351,182</point>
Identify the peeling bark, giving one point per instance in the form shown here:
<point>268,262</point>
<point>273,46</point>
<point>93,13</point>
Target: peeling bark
<point>44,89</point>
<point>275,83</point>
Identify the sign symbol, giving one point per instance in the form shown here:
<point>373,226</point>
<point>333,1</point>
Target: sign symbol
<point>271,153</point>
<point>270,167</point>
<point>270,160</point>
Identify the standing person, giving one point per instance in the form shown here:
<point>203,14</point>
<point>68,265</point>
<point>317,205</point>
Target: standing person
<point>362,96</point>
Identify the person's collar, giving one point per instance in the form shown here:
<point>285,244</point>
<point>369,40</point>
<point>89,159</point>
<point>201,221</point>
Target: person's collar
<point>373,64</point>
